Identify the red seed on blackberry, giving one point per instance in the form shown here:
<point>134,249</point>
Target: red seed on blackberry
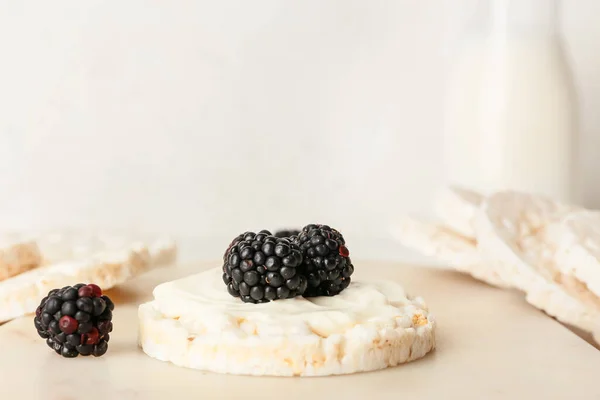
<point>344,251</point>
<point>96,291</point>
<point>86,291</point>
<point>68,324</point>
<point>91,337</point>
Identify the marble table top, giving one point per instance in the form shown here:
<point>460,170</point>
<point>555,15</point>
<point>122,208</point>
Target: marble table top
<point>490,344</point>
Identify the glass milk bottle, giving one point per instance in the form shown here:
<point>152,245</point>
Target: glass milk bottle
<point>510,113</point>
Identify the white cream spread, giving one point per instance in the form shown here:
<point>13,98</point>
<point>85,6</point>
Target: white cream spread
<point>202,305</point>
<point>194,322</point>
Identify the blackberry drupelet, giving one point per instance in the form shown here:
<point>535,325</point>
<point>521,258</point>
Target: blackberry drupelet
<point>75,320</point>
<point>287,233</point>
<point>326,264</point>
<point>259,267</point>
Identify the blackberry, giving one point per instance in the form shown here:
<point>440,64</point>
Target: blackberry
<point>327,263</point>
<point>75,320</point>
<point>259,267</point>
<point>287,233</point>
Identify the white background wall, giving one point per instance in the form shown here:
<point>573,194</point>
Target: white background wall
<point>205,118</point>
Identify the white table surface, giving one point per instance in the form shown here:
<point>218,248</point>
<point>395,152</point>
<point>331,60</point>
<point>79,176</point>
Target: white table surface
<point>490,344</point>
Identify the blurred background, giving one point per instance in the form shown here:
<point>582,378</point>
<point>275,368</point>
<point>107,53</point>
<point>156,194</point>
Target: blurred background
<point>203,119</point>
